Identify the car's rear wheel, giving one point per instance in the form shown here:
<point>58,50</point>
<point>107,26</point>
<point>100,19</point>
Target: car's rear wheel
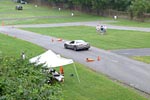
<point>87,48</point>
<point>75,48</point>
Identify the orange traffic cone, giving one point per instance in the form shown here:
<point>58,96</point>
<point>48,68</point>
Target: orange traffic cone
<point>59,39</point>
<point>61,70</point>
<point>89,60</point>
<point>98,58</point>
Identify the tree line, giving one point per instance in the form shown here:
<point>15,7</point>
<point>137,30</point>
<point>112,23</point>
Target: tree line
<point>136,8</point>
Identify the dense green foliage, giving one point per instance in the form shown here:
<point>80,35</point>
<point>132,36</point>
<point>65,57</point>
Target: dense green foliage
<point>98,4</point>
<point>137,8</point>
<point>20,80</point>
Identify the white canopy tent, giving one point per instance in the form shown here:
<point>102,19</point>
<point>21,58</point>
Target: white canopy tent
<point>50,60</point>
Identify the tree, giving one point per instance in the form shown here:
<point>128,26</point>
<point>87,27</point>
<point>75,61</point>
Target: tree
<point>120,5</point>
<point>23,81</point>
<point>100,5</point>
<point>139,7</point>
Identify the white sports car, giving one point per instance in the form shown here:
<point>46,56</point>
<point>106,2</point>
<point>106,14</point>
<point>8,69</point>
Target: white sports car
<point>77,45</point>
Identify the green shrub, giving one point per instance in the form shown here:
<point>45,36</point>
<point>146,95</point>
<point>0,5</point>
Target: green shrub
<point>20,80</point>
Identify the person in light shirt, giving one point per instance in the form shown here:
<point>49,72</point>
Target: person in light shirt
<point>23,56</point>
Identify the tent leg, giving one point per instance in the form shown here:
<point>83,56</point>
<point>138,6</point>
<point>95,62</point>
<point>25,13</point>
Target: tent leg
<point>76,73</point>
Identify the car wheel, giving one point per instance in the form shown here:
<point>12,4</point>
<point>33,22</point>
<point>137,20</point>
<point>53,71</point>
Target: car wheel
<point>87,48</point>
<point>75,48</point>
<point>65,46</point>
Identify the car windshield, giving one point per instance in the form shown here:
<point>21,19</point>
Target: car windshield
<point>80,41</point>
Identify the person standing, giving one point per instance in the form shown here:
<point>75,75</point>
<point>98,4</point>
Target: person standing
<point>23,56</point>
<point>105,28</point>
<point>98,28</point>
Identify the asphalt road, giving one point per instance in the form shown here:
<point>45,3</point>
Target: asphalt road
<point>133,52</point>
<point>128,71</point>
<point>92,23</point>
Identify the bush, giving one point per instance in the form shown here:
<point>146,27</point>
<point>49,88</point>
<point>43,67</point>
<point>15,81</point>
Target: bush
<point>23,81</point>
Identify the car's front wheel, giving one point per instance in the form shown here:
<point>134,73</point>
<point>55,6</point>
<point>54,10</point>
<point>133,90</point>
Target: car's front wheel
<point>65,46</point>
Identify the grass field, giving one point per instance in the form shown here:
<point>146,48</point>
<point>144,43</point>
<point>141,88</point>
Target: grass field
<point>93,86</point>
<point>145,59</point>
<point>114,39</point>
<point>10,46</point>
<point>125,22</point>
<point>50,15</point>
<point>53,15</point>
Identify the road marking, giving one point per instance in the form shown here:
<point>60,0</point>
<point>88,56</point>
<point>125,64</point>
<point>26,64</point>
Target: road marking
<point>125,53</point>
<point>115,61</point>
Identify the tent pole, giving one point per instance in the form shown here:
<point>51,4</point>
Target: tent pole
<point>76,72</point>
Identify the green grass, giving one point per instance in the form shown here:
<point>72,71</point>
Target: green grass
<point>54,19</point>
<point>7,9</point>
<point>125,22</point>
<point>10,46</point>
<point>8,12</point>
<point>114,39</point>
<point>145,59</point>
<point>93,86</point>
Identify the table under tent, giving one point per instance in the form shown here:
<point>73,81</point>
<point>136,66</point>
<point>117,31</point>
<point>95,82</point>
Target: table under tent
<point>50,61</point>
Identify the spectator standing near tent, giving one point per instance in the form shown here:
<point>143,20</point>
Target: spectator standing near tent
<point>23,56</point>
<point>61,70</point>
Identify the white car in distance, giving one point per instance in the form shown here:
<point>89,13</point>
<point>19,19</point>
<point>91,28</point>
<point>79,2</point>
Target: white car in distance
<point>77,45</point>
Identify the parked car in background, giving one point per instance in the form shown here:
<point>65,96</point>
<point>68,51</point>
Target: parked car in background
<point>77,45</point>
<point>22,2</point>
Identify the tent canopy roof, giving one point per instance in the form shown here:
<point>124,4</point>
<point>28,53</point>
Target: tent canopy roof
<point>50,59</point>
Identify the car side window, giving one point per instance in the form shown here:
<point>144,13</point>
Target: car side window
<point>72,42</point>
